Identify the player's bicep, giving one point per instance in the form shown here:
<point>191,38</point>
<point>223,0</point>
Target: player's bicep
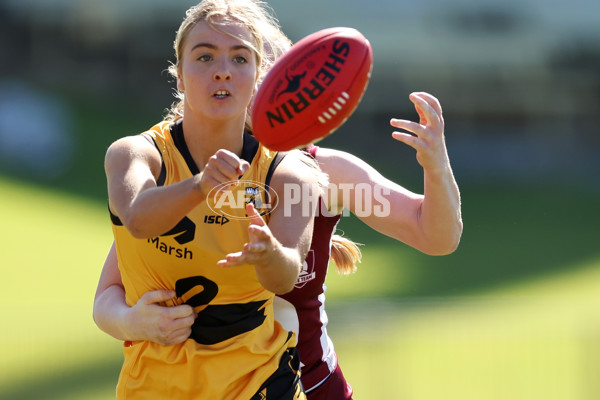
<point>110,274</point>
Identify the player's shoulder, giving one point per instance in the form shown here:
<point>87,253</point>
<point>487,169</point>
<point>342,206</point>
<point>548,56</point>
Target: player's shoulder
<point>135,145</point>
<point>326,153</point>
<point>298,166</point>
<point>138,146</point>
<point>329,158</point>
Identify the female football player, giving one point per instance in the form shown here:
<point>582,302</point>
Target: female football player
<point>430,223</point>
<point>164,186</point>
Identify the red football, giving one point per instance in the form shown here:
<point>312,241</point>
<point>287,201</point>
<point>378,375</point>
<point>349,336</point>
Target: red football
<point>312,89</point>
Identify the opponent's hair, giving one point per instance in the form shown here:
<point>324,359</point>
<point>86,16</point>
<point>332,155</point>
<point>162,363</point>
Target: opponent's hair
<point>269,41</point>
<point>345,254</point>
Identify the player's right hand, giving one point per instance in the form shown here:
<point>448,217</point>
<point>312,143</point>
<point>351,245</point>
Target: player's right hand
<point>223,168</point>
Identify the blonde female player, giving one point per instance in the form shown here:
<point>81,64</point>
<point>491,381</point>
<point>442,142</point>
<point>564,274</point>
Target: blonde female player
<point>165,232</point>
<point>430,223</point>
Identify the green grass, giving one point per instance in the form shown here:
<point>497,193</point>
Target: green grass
<point>531,340</point>
<point>511,315</point>
<point>52,251</point>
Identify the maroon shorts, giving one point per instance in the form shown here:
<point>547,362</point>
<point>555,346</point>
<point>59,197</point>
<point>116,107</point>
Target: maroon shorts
<point>334,387</point>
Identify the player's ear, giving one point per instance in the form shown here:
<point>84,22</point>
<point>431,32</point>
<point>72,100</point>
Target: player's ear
<point>252,98</point>
<point>180,82</point>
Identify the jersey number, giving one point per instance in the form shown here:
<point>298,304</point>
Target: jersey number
<point>210,291</point>
<point>217,323</point>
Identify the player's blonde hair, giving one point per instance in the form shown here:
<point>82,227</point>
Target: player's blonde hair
<point>345,254</point>
<point>269,41</point>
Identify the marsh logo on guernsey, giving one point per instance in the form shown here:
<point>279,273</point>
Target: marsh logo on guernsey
<point>308,270</point>
<point>183,233</point>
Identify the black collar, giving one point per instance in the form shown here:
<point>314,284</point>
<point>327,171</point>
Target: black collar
<point>249,148</point>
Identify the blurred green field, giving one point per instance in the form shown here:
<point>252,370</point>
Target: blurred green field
<point>539,340</point>
<point>513,314</point>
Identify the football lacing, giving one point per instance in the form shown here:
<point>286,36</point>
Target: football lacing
<point>331,111</point>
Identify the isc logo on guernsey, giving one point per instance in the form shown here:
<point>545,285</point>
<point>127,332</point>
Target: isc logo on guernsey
<point>216,219</point>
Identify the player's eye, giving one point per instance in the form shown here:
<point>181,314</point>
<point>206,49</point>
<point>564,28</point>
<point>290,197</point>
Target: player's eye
<point>204,58</point>
<point>240,60</point>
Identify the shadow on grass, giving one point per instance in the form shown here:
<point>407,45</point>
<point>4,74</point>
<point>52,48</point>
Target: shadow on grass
<point>77,381</point>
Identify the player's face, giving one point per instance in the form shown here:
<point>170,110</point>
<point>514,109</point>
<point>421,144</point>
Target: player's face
<point>218,72</point>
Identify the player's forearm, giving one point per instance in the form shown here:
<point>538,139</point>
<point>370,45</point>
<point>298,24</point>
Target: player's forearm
<point>281,272</point>
<point>157,210</point>
<point>440,218</point>
<point>110,312</point>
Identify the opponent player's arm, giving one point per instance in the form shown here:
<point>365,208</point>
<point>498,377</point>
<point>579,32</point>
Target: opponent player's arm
<point>132,166</point>
<point>431,222</point>
<point>278,250</point>
<point>146,320</point>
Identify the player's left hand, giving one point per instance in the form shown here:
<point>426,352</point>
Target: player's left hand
<point>260,247</point>
<point>428,138</point>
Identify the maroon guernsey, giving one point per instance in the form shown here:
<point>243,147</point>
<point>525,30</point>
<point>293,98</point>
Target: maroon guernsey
<point>303,309</point>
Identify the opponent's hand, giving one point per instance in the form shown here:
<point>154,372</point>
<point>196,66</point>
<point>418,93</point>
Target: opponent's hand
<point>161,324</point>
<point>259,249</point>
<point>224,167</point>
<point>428,138</point>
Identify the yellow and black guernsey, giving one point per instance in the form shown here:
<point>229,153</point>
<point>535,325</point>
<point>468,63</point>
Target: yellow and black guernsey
<point>235,343</point>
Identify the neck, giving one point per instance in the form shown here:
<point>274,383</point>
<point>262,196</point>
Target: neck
<point>204,138</point>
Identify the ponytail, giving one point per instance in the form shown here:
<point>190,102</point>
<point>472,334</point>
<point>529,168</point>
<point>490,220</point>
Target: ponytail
<point>345,254</point>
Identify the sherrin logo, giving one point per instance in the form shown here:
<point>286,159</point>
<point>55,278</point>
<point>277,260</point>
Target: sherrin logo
<point>229,201</point>
<point>301,96</point>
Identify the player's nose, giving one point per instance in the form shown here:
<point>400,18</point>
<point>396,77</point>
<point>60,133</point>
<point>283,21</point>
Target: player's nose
<point>222,72</point>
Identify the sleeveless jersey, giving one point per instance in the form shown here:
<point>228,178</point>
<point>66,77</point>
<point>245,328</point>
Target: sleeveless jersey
<point>303,309</point>
<point>235,343</point>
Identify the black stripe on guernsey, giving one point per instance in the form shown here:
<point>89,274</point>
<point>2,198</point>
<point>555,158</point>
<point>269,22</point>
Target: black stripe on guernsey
<point>285,382</point>
<point>179,140</point>
<point>162,177</point>
<point>217,323</point>
<point>249,148</point>
<point>114,219</point>
<point>276,161</point>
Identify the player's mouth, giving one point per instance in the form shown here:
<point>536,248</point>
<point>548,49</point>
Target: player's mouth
<point>221,94</point>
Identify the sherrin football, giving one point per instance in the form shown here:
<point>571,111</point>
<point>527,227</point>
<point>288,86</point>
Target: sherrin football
<point>312,89</point>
